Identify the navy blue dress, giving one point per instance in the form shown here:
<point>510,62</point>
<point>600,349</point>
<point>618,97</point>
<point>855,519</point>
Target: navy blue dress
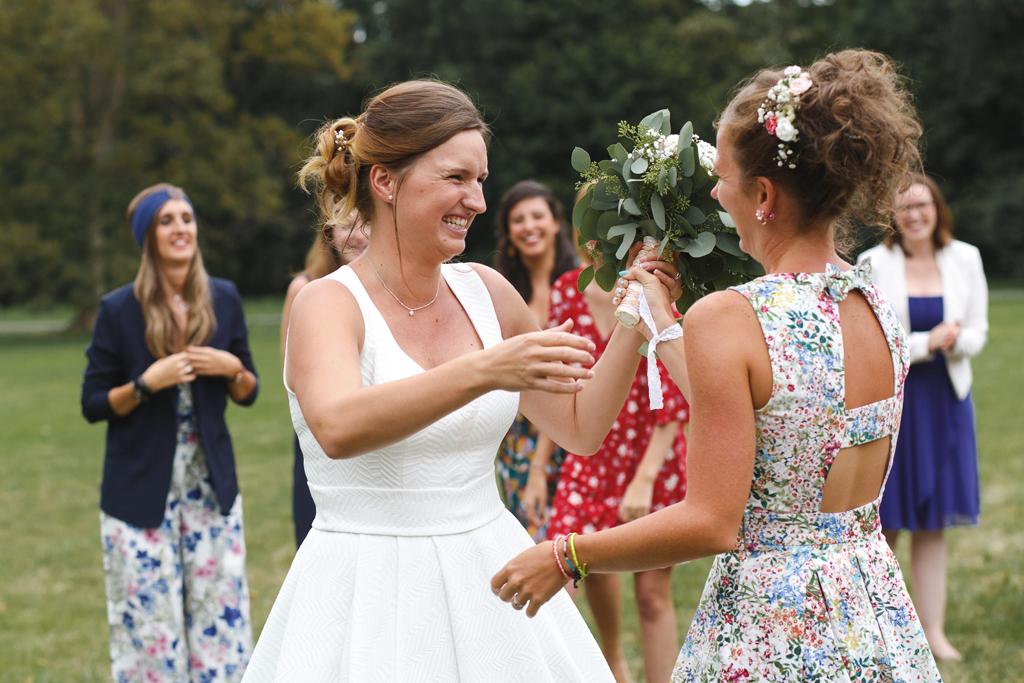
<point>934,479</point>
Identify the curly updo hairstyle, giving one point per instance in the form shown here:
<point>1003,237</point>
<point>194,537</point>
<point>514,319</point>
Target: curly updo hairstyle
<point>396,127</point>
<point>858,140</point>
<point>507,262</point>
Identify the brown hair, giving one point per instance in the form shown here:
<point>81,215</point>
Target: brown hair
<point>163,337</point>
<point>323,257</point>
<point>943,234</point>
<point>397,127</point>
<point>858,140</point>
<point>506,262</point>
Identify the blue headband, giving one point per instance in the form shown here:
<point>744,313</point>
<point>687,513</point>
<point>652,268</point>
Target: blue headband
<point>147,208</point>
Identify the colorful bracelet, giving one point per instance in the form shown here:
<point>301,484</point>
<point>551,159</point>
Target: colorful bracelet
<point>577,576</point>
<point>554,551</point>
<point>572,547</point>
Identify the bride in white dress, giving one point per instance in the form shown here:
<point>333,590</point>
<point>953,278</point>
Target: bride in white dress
<point>403,375</point>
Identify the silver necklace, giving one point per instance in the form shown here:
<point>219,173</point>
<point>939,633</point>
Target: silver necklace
<point>411,310</point>
<point>181,303</point>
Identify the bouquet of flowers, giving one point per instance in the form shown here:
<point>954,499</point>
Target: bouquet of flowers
<point>659,193</point>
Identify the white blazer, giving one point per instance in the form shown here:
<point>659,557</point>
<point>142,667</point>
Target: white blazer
<point>964,298</point>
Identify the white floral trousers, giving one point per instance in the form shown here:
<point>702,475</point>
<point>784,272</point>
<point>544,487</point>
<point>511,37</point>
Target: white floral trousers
<point>177,595</point>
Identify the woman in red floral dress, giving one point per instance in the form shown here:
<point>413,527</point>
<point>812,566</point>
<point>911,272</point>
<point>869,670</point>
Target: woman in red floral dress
<point>640,468</point>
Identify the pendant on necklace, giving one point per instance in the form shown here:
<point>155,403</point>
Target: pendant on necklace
<point>412,312</point>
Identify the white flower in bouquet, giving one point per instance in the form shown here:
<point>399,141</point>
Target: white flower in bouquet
<point>670,144</point>
<point>706,154</point>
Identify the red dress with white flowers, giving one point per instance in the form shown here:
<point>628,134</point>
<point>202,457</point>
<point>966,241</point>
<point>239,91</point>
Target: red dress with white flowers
<point>590,489</point>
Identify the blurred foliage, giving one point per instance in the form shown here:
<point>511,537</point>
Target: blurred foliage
<point>100,98</point>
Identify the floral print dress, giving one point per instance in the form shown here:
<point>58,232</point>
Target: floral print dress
<point>807,595</point>
<point>177,595</point>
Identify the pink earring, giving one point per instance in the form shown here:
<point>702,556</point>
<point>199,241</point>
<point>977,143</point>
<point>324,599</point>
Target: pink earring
<point>759,214</point>
<point>771,216</point>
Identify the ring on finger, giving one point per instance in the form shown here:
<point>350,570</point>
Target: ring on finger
<point>516,604</point>
<point>188,369</point>
<point>678,276</point>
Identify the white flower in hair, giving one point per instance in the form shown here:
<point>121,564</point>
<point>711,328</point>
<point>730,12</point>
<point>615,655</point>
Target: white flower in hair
<point>778,111</point>
<point>785,130</point>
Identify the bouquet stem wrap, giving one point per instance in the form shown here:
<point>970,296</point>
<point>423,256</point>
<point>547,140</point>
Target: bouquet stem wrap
<point>628,311</point>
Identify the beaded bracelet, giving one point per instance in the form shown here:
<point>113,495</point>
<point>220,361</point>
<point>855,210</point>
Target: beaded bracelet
<point>554,551</point>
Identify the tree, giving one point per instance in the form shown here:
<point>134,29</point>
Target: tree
<point>100,98</point>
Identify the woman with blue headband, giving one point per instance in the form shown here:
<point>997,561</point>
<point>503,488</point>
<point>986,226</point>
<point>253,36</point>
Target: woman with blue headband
<point>166,353</point>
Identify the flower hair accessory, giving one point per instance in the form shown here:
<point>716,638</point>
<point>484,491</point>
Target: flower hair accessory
<point>339,137</point>
<point>778,111</point>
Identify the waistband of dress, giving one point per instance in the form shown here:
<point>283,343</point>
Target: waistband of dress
<point>407,512</point>
<point>765,530</point>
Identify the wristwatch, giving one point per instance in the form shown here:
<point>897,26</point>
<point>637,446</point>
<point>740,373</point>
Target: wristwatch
<point>140,390</point>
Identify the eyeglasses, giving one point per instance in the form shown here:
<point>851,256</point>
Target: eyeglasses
<point>919,207</point>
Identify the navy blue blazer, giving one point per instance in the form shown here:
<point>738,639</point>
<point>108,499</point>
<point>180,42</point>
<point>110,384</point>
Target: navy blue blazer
<point>140,446</point>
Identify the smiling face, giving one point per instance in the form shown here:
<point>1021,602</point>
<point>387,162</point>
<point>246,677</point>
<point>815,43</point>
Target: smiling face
<point>916,216</point>
<point>441,194</point>
<point>532,228</point>
<point>175,233</point>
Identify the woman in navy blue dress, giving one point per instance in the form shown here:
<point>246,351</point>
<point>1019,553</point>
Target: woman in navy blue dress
<point>937,286</point>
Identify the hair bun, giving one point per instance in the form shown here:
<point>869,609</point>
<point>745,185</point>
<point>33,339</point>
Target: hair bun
<point>858,138</point>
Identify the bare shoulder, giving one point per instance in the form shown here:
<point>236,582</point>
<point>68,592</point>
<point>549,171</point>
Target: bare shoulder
<point>513,313</point>
<point>325,308</point>
<point>722,316</point>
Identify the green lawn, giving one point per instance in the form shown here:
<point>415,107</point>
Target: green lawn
<point>52,608</point>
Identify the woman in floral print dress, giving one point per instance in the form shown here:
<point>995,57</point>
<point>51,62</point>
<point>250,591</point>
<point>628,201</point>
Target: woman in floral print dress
<point>795,383</point>
<point>167,351</point>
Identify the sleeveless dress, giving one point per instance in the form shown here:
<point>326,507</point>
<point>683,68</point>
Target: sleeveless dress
<point>393,582</point>
<point>934,478</point>
<point>807,595</point>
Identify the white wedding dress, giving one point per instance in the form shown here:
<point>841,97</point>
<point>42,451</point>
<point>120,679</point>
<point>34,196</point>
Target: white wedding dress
<point>393,582</point>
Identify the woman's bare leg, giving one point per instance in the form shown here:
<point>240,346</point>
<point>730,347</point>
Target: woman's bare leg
<point>657,623</point>
<point>928,567</point>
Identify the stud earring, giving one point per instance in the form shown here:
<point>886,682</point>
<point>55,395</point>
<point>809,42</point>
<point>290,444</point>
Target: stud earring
<point>391,196</point>
<point>759,215</point>
<point>771,216</point>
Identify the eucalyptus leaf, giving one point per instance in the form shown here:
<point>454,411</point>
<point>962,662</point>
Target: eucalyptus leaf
<point>620,230</point>
<point>627,241</point>
<point>685,186</point>
<point>666,123</point>
<point>662,178</point>
<point>686,162</point>
<point>606,276</point>
<point>662,244</point>
<point>588,228</point>
<point>672,176</point>
<point>639,166</point>
<point>580,209</point>
<point>618,152</point>
<point>630,206</point>
<point>685,137</point>
<point>585,278</point>
<point>651,228</point>
<point>694,215</point>
<point>700,177</point>
<point>605,222</point>
<point>729,243</point>
<point>726,219</point>
<point>605,206</point>
<point>702,246</point>
<point>687,227</point>
<point>580,159</point>
<point>658,211</point>
<point>606,165</point>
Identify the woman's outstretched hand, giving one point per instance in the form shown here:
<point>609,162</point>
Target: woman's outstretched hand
<point>540,361</point>
<point>529,579</point>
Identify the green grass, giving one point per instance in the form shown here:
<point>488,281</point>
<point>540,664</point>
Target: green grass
<point>52,606</point>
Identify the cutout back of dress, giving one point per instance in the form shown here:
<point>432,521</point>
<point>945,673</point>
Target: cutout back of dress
<point>834,398</point>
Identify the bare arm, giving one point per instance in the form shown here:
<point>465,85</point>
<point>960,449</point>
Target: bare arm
<point>580,422</point>
<point>297,283</point>
<point>723,342</point>
<point>348,419</point>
